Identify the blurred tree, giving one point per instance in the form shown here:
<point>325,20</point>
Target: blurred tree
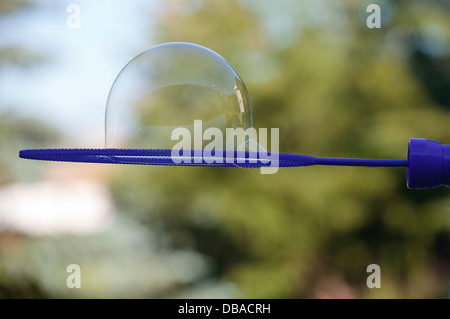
<point>17,132</point>
<point>8,7</point>
<point>12,54</point>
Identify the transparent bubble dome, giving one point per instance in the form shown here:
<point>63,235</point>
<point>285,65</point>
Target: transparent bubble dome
<point>170,86</point>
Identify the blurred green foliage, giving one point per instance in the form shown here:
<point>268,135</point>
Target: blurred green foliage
<point>334,88</point>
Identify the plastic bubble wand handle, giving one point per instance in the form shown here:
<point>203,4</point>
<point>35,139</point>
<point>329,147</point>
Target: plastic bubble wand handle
<point>360,162</point>
<point>428,163</point>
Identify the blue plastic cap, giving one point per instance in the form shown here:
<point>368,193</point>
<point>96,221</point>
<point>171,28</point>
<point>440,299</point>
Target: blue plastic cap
<point>429,164</point>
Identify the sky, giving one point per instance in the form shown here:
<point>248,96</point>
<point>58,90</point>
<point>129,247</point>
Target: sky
<point>69,88</point>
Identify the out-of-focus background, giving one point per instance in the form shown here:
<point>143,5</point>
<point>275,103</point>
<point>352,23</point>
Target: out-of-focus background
<point>312,68</point>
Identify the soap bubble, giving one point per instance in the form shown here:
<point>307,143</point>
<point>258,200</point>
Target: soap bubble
<point>170,86</point>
